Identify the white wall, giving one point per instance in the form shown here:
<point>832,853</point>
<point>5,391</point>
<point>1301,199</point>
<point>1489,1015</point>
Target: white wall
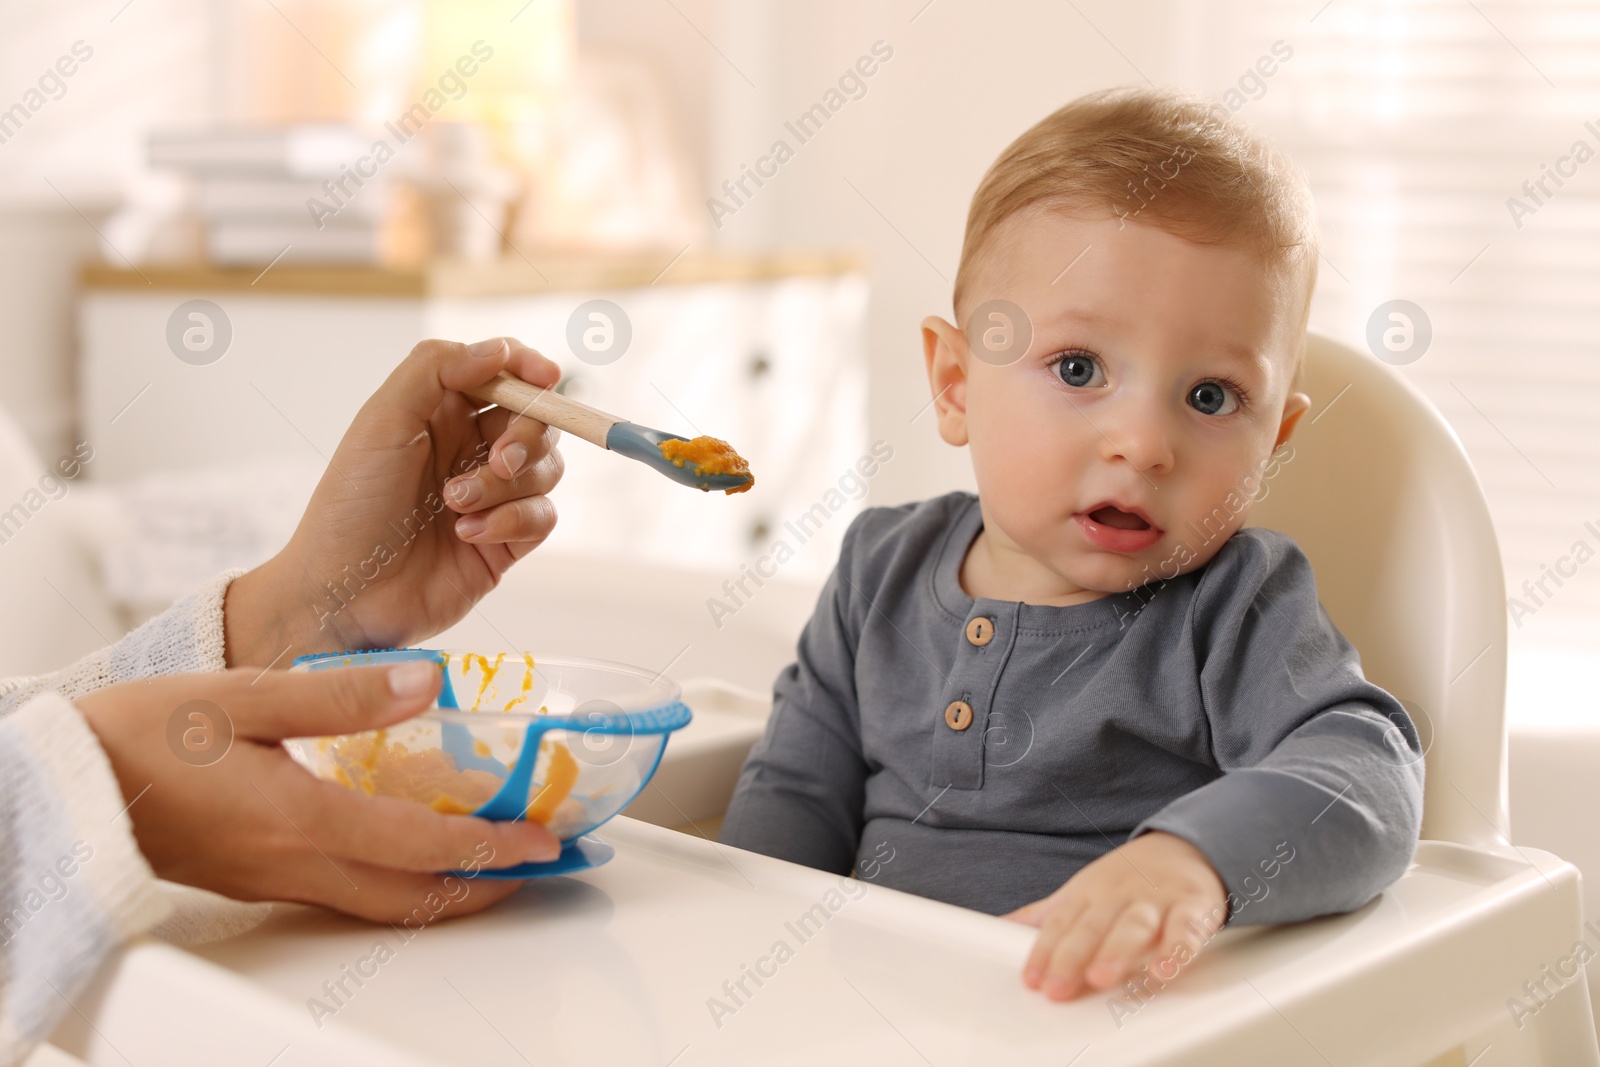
<point>76,154</point>
<point>966,79</point>
<point>963,82</point>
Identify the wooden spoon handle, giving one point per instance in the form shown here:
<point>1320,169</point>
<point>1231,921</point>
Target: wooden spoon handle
<point>548,406</point>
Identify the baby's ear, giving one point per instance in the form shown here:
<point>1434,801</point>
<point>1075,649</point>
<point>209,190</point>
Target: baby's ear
<point>944,351</point>
<point>1296,405</point>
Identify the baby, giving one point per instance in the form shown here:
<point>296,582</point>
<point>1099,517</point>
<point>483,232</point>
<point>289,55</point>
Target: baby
<point>1086,698</point>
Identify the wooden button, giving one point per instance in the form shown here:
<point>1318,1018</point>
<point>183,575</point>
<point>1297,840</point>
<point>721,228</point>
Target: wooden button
<point>980,631</point>
<point>958,716</point>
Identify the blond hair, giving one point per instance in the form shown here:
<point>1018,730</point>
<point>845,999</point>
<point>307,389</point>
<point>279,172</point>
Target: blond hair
<point>1179,162</point>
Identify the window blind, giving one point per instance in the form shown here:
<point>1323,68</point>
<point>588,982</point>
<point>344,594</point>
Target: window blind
<point>1454,152</point>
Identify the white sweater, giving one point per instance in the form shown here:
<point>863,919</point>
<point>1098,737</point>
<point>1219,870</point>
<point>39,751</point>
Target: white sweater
<point>73,885</point>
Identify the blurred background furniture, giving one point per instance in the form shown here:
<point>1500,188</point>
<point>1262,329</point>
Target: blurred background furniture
<point>762,351</point>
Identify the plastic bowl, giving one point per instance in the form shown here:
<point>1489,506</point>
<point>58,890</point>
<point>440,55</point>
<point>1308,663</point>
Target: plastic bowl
<point>564,742</point>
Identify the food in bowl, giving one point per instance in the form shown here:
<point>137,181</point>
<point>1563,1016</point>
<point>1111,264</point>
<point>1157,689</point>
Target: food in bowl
<point>567,743</point>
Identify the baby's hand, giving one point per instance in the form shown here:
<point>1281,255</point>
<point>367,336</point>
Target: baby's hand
<point>1136,901</point>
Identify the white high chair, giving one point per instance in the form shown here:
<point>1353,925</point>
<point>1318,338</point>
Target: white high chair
<point>1382,498</point>
<point>1384,502</point>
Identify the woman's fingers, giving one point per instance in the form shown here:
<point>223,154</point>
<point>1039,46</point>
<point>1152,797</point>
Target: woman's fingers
<point>413,901</point>
<point>524,437</point>
<point>535,459</point>
<point>531,366</point>
<point>406,835</point>
<point>403,405</point>
<point>521,445</point>
<point>517,549</point>
<point>380,894</point>
<point>414,391</point>
<point>528,520</point>
<point>273,705</point>
<point>397,833</point>
<point>523,461</point>
<point>519,440</point>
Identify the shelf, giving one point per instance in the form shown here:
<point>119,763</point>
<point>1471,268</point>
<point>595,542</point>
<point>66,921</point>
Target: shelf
<point>541,271</point>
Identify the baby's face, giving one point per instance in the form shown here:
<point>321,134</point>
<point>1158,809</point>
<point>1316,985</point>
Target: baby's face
<point>1124,445</point>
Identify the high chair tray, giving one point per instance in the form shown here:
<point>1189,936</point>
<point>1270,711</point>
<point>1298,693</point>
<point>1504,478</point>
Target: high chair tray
<point>686,952</point>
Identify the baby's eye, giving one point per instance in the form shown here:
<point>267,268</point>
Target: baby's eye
<point>1213,398</point>
<point>1080,369</point>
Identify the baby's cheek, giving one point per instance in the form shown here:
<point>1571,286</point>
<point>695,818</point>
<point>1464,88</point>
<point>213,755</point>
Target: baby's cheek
<point>1212,508</point>
<point>1027,510</point>
<point>1036,468</point>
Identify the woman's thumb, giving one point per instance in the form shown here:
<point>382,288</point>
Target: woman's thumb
<point>282,704</point>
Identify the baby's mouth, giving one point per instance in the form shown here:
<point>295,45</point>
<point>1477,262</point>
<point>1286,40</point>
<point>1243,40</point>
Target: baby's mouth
<point>1118,519</point>
<point>1113,529</point>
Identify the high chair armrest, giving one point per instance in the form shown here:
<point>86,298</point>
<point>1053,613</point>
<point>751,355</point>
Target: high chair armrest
<point>700,767</point>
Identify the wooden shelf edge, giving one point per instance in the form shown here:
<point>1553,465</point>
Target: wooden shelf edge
<point>548,271</point>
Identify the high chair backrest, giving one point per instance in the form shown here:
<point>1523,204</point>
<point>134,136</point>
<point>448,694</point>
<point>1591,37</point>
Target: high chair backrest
<point>1380,495</point>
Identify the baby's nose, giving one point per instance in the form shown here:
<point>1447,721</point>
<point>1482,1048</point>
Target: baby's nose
<point>1141,441</point>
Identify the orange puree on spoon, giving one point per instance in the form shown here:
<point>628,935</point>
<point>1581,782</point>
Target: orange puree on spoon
<point>709,456</point>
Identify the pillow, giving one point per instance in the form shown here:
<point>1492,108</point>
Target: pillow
<point>161,535</point>
<point>55,609</point>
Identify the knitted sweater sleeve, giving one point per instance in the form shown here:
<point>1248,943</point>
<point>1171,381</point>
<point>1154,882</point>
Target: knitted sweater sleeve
<point>73,885</point>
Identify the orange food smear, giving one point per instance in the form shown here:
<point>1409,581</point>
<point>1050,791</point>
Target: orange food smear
<point>429,776</point>
<point>527,684</point>
<point>559,778</point>
<point>710,456</point>
<point>489,671</point>
<point>377,745</point>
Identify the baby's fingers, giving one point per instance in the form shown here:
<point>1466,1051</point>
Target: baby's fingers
<point>1190,926</point>
<point>1060,922</point>
<point>1131,936</point>
<point>1064,976</point>
<point>1029,914</point>
<point>1059,915</point>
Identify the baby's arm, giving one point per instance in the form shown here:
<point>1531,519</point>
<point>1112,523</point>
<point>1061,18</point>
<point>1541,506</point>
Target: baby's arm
<point>1320,805</point>
<point>1318,810</point>
<point>801,794</point>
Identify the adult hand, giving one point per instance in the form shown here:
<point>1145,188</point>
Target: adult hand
<point>424,505</point>
<point>255,825</point>
<point>1155,897</point>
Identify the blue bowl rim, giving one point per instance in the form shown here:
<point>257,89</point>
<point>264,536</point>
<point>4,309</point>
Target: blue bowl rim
<point>663,717</point>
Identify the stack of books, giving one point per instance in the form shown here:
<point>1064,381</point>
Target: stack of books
<point>307,194</point>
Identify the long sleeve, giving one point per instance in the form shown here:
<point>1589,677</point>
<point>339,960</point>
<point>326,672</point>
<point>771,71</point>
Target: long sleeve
<point>1320,803</point>
<point>73,885</point>
<point>800,795</point>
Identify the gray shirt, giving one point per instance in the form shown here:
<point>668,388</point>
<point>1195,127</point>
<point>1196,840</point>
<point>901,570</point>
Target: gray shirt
<point>1221,706</point>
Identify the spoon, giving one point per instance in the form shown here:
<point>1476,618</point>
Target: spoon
<point>595,426</point>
